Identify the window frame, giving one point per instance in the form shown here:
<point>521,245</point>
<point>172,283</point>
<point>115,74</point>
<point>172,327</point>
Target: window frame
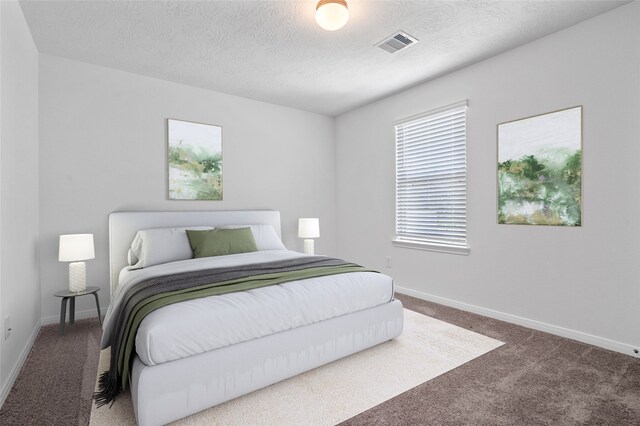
<point>426,243</point>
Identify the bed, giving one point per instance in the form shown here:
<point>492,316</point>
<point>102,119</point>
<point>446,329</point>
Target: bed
<point>253,338</point>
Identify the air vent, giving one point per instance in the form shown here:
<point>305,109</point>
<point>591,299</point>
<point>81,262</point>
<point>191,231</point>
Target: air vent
<point>397,41</point>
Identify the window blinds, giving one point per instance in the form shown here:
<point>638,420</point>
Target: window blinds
<point>431,177</point>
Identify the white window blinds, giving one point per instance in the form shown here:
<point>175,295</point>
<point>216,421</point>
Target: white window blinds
<point>431,177</point>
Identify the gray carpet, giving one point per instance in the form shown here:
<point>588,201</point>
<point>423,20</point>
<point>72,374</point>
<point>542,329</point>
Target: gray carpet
<point>55,385</point>
<point>535,378</point>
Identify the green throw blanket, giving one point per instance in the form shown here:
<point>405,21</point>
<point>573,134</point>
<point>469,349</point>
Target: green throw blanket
<point>147,296</point>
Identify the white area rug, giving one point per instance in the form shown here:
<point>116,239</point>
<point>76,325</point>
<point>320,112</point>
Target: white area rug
<point>338,391</point>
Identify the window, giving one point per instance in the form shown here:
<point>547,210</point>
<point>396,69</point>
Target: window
<point>431,180</point>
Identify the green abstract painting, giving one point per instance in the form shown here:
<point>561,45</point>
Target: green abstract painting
<point>540,169</point>
<point>195,160</point>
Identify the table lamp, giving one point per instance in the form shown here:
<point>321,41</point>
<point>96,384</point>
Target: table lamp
<point>74,248</point>
<point>308,228</point>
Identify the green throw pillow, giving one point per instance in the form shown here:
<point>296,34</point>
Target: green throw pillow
<point>220,242</point>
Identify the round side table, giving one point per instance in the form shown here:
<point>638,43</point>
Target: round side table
<point>66,295</point>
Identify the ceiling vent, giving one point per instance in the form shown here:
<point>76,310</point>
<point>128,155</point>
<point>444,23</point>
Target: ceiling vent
<point>397,41</point>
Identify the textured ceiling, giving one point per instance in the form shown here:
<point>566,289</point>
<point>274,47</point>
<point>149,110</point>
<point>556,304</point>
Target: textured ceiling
<point>275,52</point>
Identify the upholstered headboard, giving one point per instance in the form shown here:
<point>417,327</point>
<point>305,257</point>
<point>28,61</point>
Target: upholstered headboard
<point>124,225</point>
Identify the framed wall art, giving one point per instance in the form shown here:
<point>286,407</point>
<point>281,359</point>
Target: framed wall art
<point>540,169</point>
<point>195,160</point>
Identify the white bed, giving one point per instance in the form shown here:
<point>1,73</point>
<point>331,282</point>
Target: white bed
<point>253,338</point>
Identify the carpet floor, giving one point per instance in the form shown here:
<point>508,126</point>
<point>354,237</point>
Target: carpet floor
<point>534,379</point>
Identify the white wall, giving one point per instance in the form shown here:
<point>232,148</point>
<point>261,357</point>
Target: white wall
<point>582,279</point>
<point>103,149</point>
<point>19,280</point>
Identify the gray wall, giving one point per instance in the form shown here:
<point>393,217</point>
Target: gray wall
<point>578,281</point>
<point>103,149</point>
<point>19,280</point>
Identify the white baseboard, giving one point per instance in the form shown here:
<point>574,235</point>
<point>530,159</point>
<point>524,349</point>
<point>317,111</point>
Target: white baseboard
<point>13,375</point>
<point>525,322</point>
<point>80,315</point>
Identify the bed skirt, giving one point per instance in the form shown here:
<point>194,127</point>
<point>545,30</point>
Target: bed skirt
<point>167,392</point>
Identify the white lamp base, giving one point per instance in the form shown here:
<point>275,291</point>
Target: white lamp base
<point>308,246</point>
<point>77,276</point>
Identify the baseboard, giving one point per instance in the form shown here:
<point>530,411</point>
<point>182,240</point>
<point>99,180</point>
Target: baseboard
<point>13,375</point>
<point>80,315</point>
<point>525,322</point>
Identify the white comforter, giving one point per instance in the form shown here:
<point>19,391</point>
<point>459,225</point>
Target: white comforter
<point>197,326</point>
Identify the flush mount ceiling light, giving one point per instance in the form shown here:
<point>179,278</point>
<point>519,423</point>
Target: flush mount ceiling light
<point>332,14</point>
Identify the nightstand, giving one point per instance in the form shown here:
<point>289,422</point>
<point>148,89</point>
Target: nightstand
<point>66,295</point>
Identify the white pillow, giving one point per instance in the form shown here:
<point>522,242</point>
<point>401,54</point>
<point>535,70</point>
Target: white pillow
<point>265,236</point>
<point>131,258</point>
<point>162,245</point>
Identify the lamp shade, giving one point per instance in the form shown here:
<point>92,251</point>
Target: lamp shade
<point>76,247</point>
<point>332,15</point>
<point>308,227</point>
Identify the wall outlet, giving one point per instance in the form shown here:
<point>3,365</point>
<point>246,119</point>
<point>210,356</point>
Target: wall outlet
<point>7,327</point>
<point>387,262</point>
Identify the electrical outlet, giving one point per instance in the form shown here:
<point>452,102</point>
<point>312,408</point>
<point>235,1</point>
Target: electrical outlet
<point>7,327</point>
<point>387,261</point>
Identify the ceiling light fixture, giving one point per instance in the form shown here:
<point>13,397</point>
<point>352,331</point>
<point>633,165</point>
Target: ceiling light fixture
<point>332,14</point>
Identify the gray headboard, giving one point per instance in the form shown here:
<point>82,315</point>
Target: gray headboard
<point>124,225</point>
